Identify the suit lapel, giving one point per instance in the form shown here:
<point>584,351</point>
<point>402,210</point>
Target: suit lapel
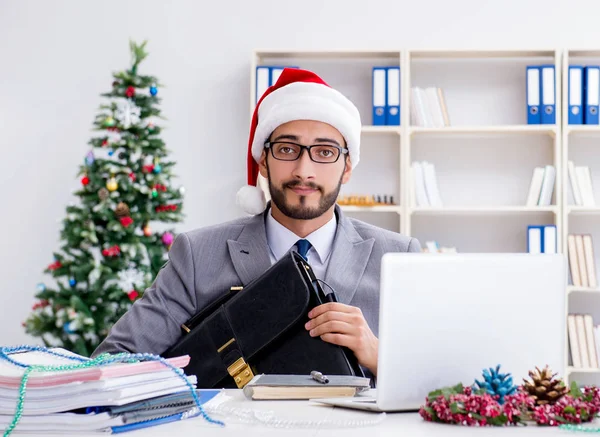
<point>349,258</point>
<point>250,252</point>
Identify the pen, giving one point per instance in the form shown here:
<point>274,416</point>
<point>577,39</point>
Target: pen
<point>319,377</point>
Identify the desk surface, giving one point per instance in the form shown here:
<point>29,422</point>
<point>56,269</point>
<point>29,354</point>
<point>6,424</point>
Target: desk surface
<point>335,420</point>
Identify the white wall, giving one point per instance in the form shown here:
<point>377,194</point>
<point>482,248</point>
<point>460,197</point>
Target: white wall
<point>56,58</point>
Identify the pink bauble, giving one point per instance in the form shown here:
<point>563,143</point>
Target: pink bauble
<point>167,238</point>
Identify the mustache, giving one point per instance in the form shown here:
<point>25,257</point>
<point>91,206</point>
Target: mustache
<point>296,183</point>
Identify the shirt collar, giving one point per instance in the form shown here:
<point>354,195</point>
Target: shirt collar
<point>281,239</point>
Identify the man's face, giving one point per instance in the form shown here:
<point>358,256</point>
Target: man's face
<point>304,189</point>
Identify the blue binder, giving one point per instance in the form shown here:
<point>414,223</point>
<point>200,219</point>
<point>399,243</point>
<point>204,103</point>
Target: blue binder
<point>263,78</point>
<point>592,94</point>
<point>393,96</point>
<point>535,239</point>
<point>533,88</point>
<point>548,92</point>
<point>379,95</point>
<point>575,95</point>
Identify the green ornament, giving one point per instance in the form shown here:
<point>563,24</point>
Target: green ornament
<point>154,192</point>
<point>109,121</point>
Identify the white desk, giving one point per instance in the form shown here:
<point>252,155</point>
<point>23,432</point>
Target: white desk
<point>393,424</point>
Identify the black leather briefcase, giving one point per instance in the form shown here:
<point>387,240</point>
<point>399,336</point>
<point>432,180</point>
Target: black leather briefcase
<point>260,329</point>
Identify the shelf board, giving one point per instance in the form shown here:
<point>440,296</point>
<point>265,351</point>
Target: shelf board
<point>575,209</point>
<point>572,369</point>
<point>483,54</point>
<point>482,210</point>
<point>328,54</point>
<point>381,129</point>
<point>588,290</point>
<point>583,129</point>
<point>375,208</point>
<point>471,130</point>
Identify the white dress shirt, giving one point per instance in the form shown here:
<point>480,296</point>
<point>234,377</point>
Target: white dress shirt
<point>280,240</point>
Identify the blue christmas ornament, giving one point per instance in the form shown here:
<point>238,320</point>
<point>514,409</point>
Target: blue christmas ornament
<point>157,168</point>
<point>496,383</point>
<point>68,328</point>
<point>111,152</point>
<point>153,90</point>
<point>89,159</point>
<point>72,282</point>
<point>41,287</point>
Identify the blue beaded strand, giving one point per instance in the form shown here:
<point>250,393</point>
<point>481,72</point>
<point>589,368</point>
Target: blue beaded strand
<point>100,360</point>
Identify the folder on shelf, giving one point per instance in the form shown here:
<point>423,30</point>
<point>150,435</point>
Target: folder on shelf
<point>575,188</point>
<point>379,95</point>
<point>575,94</point>
<point>547,186</point>
<point>592,94</point>
<point>393,96</point>
<point>535,239</point>
<point>535,187</point>
<point>548,91</point>
<point>533,95</point>
<point>263,75</point>
<point>549,239</point>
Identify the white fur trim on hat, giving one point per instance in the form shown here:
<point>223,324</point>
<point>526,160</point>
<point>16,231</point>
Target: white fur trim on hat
<point>308,101</point>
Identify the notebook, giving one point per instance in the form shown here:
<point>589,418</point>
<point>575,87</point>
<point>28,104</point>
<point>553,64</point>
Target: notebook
<point>263,387</point>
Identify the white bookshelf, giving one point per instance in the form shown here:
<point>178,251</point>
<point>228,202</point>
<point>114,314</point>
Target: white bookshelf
<point>484,160</point>
<point>580,144</point>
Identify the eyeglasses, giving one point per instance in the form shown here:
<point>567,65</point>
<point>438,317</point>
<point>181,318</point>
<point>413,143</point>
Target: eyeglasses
<point>321,153</point>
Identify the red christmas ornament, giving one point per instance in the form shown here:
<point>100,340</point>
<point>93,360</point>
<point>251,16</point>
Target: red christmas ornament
<point>132,176</point>
<point>148,168</point>
<point>133,294</point>
<point>130,91</point>
<point>126,221</point>
<point>55,265</point>
<point>163,208</point>
<point>104,143</point>
<point>160,187</point>
<point>85,180</point>
<point>112,251</point>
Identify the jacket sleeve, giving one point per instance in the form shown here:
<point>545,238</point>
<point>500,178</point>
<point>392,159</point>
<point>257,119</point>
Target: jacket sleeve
<point>153,323</point>
<point>414,245</point>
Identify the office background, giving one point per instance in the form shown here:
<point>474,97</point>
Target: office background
<point>56,58</point>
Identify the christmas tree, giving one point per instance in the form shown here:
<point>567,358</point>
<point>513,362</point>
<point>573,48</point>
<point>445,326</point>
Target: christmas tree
<point>109,252</point>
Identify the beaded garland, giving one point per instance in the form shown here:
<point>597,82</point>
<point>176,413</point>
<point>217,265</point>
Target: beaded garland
<point>101,360</point>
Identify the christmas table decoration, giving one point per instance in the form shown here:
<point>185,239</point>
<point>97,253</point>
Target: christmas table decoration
<point>496,401</point>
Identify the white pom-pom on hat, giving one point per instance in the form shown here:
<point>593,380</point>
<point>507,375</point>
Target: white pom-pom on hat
<point>297,95</point>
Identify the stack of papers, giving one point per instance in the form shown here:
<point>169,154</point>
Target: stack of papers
<point>111,398</point>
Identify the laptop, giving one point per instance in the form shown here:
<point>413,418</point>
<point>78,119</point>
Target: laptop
<point>443,318</point>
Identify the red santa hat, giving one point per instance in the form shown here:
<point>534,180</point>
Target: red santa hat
<point>297,95</point>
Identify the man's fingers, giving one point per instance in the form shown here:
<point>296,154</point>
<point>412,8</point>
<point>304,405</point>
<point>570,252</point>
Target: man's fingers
<point>333,326</point>
<point>339,339</point>
<point>329,316</point>
<point>332,306</point>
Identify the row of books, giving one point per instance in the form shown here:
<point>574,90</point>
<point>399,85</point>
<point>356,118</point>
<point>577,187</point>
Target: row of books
<point>584,94</point>
<point>542,239</point>
<point>111,398</point>
<point>580,179</point>
<point>542,186</point>
<point>541,94</point>
<point>433,246</point>
<point>582,265</point>
<point>428,107</point>
<point>583,341</point>
<point>424,187</point>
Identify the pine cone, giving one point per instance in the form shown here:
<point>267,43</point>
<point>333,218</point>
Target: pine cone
<point>103,193</point>
<point>543,387</point>
<point>122,210</point>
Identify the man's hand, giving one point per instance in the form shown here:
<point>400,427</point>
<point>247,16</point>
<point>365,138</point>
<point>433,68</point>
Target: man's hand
<point>345,325</point>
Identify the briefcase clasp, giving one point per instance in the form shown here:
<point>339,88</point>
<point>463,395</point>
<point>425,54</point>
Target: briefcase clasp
<point>240,372</point>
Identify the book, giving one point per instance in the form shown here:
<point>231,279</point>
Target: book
<point>263,387</point>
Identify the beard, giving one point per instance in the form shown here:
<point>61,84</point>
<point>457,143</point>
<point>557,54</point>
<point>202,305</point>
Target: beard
<point>302,211</point>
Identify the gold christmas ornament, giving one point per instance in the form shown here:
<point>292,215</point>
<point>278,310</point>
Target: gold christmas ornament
<point>122,210</point>
<point>112,184</point>
<point>103,193</point>
<point>543,387</point>
<point>147,230</point>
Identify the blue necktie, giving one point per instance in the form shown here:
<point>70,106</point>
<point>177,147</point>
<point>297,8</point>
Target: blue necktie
<point>303,247</point>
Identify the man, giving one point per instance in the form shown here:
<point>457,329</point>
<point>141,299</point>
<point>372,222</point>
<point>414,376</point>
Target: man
<point>305,141</point>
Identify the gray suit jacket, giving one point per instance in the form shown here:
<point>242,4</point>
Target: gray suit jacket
<point>205,262</point>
